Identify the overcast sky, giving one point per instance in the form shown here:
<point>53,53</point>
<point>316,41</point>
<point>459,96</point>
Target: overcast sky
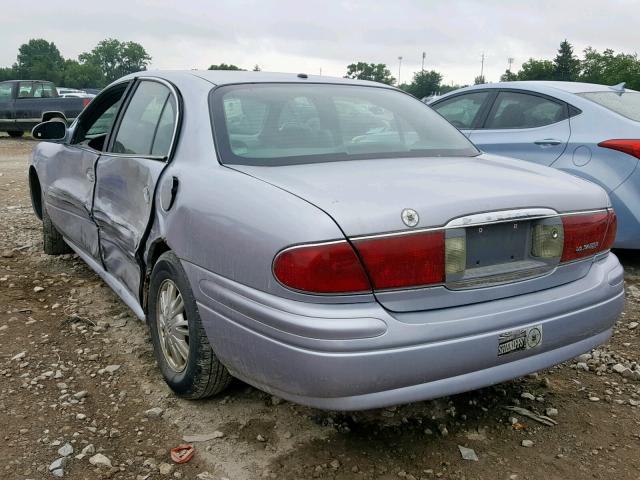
<point>309,35</point>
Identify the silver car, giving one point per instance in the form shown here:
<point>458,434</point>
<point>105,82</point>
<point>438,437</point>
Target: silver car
<point>330,241</point>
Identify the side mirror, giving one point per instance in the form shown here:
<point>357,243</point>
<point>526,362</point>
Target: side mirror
<point>53,130</point>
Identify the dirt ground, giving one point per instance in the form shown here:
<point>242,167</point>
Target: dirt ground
<point>76,368</point>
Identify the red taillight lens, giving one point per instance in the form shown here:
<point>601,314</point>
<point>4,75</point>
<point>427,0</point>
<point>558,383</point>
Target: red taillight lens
<point>404,260</point>
<point>325,268</point>
<point>584,235</point>
<point>630,147</point>
<point>85,102</point>
<point>610,237</point>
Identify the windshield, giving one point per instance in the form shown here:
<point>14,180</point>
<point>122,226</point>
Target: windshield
<point>283,124</point>
<point>626,104</point>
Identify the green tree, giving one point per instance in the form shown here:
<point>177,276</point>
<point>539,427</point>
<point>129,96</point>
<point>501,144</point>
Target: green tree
<point>479,80</point>
<point>567,65</point>
<point>224,66</point>
<point>508,76</point>
<point>39,59</point>
<point>82,75</point>
<point>376,72</point>
<point>608,68</point>
<point>424,83</point>
<point>256,68</point>
<point>534,69</point>
<point>7,73</point>
<point>116,58</point>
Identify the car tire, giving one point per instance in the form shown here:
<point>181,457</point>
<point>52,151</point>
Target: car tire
<point>14,134</point>
<point>195,373</point>
<point>52,241</point>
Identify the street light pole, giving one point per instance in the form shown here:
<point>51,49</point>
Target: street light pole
<point>399,67</point>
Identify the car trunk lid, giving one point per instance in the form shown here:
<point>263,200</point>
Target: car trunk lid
<point>493,202</point>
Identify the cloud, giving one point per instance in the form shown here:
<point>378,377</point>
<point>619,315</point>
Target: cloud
<point>288,35</point>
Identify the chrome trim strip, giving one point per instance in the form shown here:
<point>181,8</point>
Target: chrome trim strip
<point>475,220</point>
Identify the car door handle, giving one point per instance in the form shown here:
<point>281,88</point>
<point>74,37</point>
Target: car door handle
<point>548,142</point>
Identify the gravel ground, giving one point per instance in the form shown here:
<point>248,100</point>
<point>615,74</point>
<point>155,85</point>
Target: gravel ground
<point>81,397</point>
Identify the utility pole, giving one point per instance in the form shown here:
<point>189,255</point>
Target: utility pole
<point>510,62</point>
<point>399,67</point>
<point>424,55</point>
<point>482,66</point>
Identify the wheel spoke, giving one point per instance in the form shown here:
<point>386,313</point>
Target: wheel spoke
<point>181,347</point>
<point>176,307</point>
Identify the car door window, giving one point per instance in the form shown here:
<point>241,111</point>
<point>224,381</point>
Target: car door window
<point>5,92</point>
<point>141,119</point>
<point>25,89</point>
<point>461,111</point>
<point>97,119</point>
<point>521,110</point>
<point>166,127</point>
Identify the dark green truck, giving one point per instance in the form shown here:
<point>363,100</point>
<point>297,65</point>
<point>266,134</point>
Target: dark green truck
<point>25,103</point>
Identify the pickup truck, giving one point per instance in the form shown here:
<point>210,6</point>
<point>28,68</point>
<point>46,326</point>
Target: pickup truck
<point>25,103</point>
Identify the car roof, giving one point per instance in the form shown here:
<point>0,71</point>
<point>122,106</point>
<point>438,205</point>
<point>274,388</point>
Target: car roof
<point>542,86</point>
<point>227,77</point>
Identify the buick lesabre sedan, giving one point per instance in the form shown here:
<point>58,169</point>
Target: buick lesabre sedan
<point>331,241</point>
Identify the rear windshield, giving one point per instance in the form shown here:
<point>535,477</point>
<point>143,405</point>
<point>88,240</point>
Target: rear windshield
<point>626,104</point>
<point>283,124</point>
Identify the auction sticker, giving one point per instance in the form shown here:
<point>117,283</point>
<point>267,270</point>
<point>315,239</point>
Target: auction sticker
<point>516,340</point>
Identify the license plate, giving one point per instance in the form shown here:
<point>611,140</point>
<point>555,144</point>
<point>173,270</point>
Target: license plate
<point>517,340</point>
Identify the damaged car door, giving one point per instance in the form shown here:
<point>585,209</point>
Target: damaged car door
<point>126,177</point>
<point>69,171</point>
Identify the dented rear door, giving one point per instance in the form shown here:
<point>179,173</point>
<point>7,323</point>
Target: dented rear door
<point>126,178</point>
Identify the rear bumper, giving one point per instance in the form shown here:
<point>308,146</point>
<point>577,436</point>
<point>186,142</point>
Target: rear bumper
<point>360,356</point>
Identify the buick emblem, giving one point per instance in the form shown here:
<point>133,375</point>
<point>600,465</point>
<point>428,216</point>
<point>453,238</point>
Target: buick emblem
<point>410,217</point>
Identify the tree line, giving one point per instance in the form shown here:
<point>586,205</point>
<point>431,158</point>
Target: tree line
<point>606,68</point>
<point>110,59</point>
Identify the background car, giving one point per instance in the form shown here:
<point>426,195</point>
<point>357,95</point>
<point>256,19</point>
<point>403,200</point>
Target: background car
<point>588,130</point>
<point>330,241</point>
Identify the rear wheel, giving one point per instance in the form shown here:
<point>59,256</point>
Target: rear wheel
<point>180,343</point>
<point>14,134</point>
<point>52,241</point>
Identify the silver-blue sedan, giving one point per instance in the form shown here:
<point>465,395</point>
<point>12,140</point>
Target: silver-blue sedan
<point>334,242</point>
<point>588,130</point>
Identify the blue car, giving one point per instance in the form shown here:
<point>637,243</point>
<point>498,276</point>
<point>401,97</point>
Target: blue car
<point>591,131</point>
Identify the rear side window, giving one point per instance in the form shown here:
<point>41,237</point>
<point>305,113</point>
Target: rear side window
<point>145,119</point>
<point>461,111</point>
<point>521,110</point>
<point>626,104</point>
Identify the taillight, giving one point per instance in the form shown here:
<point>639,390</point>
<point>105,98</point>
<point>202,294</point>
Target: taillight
<point>85,102</point>
<point>324,268</point>
<point>399,261</point>
<point>587,234</point>
<point>630,147</point>
<point>612,229</point>
<point>412,260</point>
